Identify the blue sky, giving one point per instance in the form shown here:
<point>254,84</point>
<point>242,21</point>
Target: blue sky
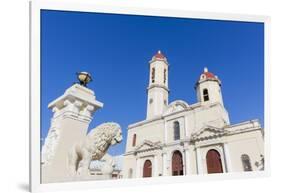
<point>116,50</point>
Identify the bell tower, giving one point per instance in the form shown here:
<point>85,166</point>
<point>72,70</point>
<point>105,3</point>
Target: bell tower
<point>208,88</point>
<point>157,90</point>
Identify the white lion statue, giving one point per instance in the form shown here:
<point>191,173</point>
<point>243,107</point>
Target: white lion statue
<point>94,147</point>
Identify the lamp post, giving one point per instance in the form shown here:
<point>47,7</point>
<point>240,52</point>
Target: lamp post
<point>84,78</point>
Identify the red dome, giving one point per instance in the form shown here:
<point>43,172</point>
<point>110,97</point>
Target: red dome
<point>159,55</point>
<point>209,75</point>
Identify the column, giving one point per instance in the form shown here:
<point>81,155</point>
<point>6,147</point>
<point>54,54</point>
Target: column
<point>187,162</point>
<point>185,126</point>
<point>199,161</point>
<point>155,167</point>
<point>192,159</point>
<point>227,158</point>
<point>138,168</point>
<point>73,112</point>
<point>164,158</point>
<point>165,132</point>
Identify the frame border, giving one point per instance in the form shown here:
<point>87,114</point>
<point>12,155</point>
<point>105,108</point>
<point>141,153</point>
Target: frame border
<point>35,7</point>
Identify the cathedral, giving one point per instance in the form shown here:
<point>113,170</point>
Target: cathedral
<point>178,138</point>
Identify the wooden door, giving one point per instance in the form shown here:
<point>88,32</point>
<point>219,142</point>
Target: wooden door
<point>214,164</point>
<point>147,169</point>
<point>177,164</point>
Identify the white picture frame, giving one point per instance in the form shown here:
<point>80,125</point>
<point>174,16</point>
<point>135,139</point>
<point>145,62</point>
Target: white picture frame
<point>36,6</point>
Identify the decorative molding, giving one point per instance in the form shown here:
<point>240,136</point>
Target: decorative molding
<point>150,146</point>
<point>154,85</point>
<point>176,106</point>
<point>210,132</point>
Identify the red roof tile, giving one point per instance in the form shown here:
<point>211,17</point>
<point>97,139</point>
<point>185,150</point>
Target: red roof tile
<point>159,55</point>
<point>209,75</point>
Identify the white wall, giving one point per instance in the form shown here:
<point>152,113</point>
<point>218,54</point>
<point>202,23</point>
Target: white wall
<point>158,95</point>
<point>153,131</point>
<point>215,116</point>
<point>214,92</point>
<point>247,144</point>
<point>158,105</point>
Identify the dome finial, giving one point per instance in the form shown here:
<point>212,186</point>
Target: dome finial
<point>159,52</point>
<point>205,69</point>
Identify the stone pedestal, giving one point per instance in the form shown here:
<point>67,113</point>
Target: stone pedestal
<point>72,115</point>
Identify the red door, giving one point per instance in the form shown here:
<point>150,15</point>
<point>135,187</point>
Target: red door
<point>147,169</point>
<point>214,164</point>
<point>177,164</point>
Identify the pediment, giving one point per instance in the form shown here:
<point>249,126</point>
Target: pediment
<point>208,132</point>
<point>148,145</point>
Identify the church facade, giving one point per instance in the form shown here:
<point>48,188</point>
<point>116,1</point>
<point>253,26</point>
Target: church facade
<point>178,138</point>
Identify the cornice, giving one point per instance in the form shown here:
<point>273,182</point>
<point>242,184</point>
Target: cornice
<point>154,85</point>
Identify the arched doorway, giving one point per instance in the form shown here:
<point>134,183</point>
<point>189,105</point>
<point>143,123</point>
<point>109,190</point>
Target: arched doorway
<point>177,164</point>
<point>147,169</point>
<point>214,164</point>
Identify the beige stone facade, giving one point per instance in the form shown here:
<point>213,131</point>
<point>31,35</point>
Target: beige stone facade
<point>181,139</point>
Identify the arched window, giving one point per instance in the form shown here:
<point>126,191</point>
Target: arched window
<point>130,173</point>
<point>177,164</point>
<point>147,169</point>
<point>246,162</point>
<point>134,140</point>
<point>213,160</point>
<point>205,94</point>
<point>153,75</point>
<point>176,130</point>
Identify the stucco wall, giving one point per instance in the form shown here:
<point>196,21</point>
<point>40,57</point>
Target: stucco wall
<point>152,131</point>
<point>245,143</point>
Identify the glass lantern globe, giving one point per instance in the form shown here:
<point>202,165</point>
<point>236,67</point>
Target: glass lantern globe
<point>84,78</point>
